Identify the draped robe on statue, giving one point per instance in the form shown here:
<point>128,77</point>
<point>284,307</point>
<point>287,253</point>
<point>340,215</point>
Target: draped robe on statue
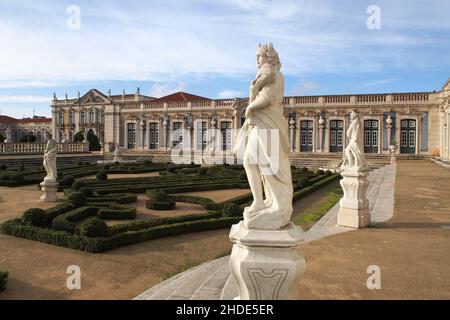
<point>270,152</point>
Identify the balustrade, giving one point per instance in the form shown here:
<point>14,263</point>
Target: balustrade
<point>32,148</point>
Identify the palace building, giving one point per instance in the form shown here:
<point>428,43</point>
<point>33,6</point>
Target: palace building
<point>16,130</point>
<point>416,122</point>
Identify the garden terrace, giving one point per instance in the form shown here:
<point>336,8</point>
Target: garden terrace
<point>90,203</point>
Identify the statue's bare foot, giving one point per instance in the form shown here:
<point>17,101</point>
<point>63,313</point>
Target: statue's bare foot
<point>255,206</point>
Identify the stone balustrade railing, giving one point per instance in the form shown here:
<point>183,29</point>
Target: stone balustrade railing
<point>33,148</point>
<point>313,101</point>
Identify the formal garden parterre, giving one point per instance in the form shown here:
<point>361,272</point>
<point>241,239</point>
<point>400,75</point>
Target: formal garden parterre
<point>79,221</point>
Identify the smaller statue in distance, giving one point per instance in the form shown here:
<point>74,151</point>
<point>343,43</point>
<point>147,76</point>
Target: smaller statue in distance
<point>51,150</point>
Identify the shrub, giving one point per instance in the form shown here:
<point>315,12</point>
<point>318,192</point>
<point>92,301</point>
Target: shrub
<point>80,163</point>
<point>101,175</point>
<point>242,176</point>
<point>3,167</point>
<point>303,182</point>
<point>67,221</point>
<point>94,227</point>
<point>87,192</point>
<point>22,167</point>
<point>320,172</point>
<point>3,279</point>
<point>77,185</point>
<point>5,177</point>
<point>77,199</point>
<point>328,173</point>
<point>67,181</point>
<point>106,167</point>
<point>171,169</point>
<point>117,213</point>
<point>202,170</point>
<point>231,210</point>
<point>34,217</point>
<point>305,169</point>
<point>157,195</point>
<point>18,177</point>
<point>166,205</point>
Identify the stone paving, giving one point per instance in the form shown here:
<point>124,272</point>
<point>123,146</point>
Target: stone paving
<point>213,281</point>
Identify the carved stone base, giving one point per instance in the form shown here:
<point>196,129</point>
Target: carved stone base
<point>266,264</point>
<point>50,189</point>
<point>354,205</point>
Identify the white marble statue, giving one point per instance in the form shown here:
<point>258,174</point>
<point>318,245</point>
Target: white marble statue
<point>354,152</point>
<point>267,174</point>
<point>117,154</point>
<point>51,150</point>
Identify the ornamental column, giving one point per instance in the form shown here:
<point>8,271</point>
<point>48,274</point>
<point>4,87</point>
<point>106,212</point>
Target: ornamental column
<point>321,129</point>
<point>142,129</point>
<point>292,133</point>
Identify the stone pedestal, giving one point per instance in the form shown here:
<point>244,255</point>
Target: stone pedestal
<point>392,151</point>
<point>50,188</point>
<point>354,206</point>
<point>266,264</point>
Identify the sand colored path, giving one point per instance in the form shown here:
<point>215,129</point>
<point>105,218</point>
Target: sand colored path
<point>412,249</point>
<point>219,195</point>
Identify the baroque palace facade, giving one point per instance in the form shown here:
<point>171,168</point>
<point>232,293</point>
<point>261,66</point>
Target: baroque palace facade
<point>416,122</point>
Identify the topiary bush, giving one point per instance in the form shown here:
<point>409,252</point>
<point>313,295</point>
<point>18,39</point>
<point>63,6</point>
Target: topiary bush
<point>34,217</point>
<point>304,169</point>
<point>94,227</point>
<point>67,181</point>
<point>77,199</point>
<point>86,191</point>
<point>106,167</point>
<point>159,200</point>
<point>303,182</point>
<point>328,173</point>
<point>320,172</point>
<point>231,210</point>
<point>3,279</point>
<point>77,185</point>
<point>202,170</point>
<point>102,175</point>
<point>242,176</point>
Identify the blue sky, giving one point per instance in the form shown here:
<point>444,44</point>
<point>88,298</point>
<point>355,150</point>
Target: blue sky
<point>208,47</point>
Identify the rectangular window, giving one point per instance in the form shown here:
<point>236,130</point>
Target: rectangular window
<point>339,138</point>
<point>131,135</point>
<point>177,134</point>
<point>201,135</point>
<point>333,138</point>
<point>404,142</point>
<point>225,128</point>
<point>303,138</point>
<point>153,128</point>
<point>374,138</point>
<point>367,138</point>
<point>412,139</point>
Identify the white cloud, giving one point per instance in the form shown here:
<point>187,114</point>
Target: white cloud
<point>377,83</point>
<point>118,40</point>
<point>229,94</point>
<point>162,89</point>
<point>305,88</point>
<point>24,99</point>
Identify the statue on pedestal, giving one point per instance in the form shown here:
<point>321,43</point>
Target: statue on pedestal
<point>354,205</point>
<point>51,150</point>
<point>266,154</point>
<point>354,152</point>
<point>265,260</point>
<point>50,184</point>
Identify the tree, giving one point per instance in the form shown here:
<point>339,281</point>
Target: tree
<point>2,138</point>
<point>94,142</point>
<point>79,137</point>
<point>28,138</point>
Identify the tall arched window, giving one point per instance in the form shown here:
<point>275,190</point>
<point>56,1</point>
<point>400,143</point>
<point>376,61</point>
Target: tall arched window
<point>82,117</point>
<point>92,116</point>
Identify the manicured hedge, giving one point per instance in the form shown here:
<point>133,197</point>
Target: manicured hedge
<point>100,244</point>
<point>67,221</point>
<point>117,213</point>
<point>305,191</point>
<point>159,200</point>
